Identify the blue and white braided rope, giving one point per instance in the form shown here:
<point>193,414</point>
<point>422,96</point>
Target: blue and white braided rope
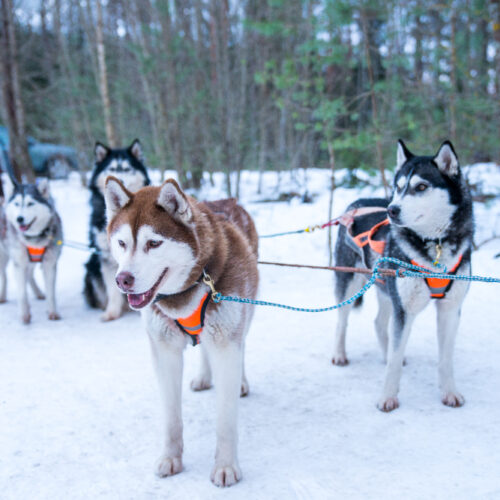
<point>411,271</point>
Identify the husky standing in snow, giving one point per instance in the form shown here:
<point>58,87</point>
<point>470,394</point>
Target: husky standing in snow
<point>128,166</point>
<point>34,235</point>
<point>166,245</point>
<point>429,224</point>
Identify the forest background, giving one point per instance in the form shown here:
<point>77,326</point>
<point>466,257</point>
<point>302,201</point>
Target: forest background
<point>226,85</point>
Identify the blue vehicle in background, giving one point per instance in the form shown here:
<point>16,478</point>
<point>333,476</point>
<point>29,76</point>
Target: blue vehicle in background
<point>49,160</point>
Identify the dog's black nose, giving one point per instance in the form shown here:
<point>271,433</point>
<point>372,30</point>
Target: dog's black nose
<point>20,219</point>
<point>125,281</point>
<point>393,211</point>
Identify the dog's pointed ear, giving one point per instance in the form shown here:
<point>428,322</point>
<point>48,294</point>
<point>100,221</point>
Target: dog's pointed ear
<point>135,149</point>
<point>175,202</point>
<point>42,186</point>
<point>116,196</point>
<point>100,151</point>
<point>403,155</point>
<point>446,159</point>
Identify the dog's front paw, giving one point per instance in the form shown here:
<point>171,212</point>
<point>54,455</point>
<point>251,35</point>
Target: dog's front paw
<point>3,300</point>
<point>53,316</point>
<point>453,399</point>
<point>110,315</point>
<point>223,476</point>
<point>40,296</point>
<point>200,384</point>
<point>388,404</point>
<point>26,318</point>
<point>168,466</point>
<point>340,360</point>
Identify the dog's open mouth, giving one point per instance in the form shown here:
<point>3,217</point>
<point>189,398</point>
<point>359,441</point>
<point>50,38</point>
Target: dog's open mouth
<point>140,300</point>
<point>25,227</point>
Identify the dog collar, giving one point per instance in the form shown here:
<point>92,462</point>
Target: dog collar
<point>162,296</point>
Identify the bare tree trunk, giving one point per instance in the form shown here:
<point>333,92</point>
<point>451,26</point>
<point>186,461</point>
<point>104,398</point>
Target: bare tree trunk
<point>378,142</point>
<point>74,92</point>
<point>331,156</point>
<point>18,142</point>
<point>453,77</point>
<point>103,79</point>
<point>171,103</point>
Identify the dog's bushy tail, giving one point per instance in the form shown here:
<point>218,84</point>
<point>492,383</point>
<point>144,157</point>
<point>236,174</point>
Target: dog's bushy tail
<point>93,279</point>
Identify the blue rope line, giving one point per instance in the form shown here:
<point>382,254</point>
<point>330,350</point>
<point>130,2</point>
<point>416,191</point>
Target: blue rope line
<point>282,234</point>
<point>80,246</point>
<point>411,271</point>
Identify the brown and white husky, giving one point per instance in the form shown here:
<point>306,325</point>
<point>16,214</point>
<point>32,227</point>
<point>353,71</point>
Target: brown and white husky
<point>165,242</point>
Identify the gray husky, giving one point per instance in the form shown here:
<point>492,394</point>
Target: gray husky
<point>34,235</point>
<point>428,221</point>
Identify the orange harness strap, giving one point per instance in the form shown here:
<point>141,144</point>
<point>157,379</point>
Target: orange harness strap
<point>366,238</point>
<point>439,286</point>
<point>36,254</point>
<point>193,324</point>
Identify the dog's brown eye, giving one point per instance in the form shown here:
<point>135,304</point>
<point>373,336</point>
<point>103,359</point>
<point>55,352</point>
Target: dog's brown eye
<point>421,187</point>
<point>121,243</point>
<point>153,244</point>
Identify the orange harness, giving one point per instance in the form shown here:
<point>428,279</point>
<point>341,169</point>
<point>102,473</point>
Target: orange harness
<point>193,324</point>
<point>36,254</point>
<point>439,286</point>
<point>366,238</point>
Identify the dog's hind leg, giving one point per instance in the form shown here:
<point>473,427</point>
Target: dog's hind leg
<point>448,317</point>
<point>21,273</point>
<point>226,360</point>
<point>3,281</point>
<point>203,380</point>
<point>400,331</point>
<point>245,387</point>
<point>34,286</point>
<point>382,321</point>
<point>168,362</point>
<point>346,286</point>
<point>49,274</point>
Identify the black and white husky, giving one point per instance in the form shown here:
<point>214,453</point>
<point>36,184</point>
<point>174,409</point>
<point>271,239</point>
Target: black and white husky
<point>128,166</point>
<point>34,235</point>
<point>430,224</point>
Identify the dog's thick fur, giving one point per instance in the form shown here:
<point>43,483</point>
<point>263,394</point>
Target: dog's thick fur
<point>32,221</point>
<point>163,240</point>
<point>4,254</point>
<point>430,206</point>
<point>127,165</point>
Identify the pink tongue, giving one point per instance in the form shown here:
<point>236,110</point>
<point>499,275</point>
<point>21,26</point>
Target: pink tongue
<point>138,299</point>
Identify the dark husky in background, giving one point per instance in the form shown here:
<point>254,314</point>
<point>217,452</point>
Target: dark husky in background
<point>128,166</point>
<point>430,224</point>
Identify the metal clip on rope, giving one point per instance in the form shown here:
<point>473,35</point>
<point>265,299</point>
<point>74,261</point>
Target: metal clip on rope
<point>210,283</point>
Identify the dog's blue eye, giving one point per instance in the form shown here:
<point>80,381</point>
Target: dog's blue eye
<point>153,244</point>
<point>30,204</point>
<point>121,243</point>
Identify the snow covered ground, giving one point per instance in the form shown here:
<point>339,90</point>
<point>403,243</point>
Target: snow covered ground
<point>79,406</point>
